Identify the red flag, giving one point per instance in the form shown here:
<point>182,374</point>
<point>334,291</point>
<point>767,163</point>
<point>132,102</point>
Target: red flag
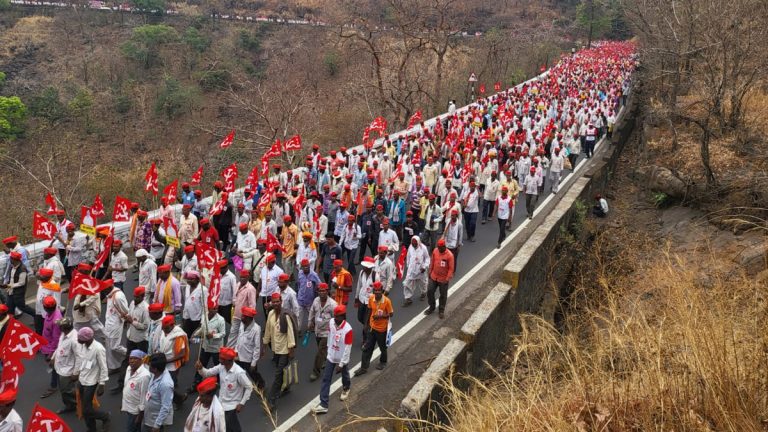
<point>366,134</point>
<point>42,228</point>
<point>171,190</point>
<point>273,151</point>
<point>218,207</point>
<point>207,255</point>
<point>230,175</point>
<point>121,212</point>
<point>103,255</point>
<point>497,86</point>
<point>379,124</point>
<point>252,180</point>
<point>543,68</point>
<point>401,262</point>
<point>214,288</point>
<point>272,243</point>
<point>265,199</point>
<point>294,143</point>
<point>44,420</point>
<point>482,88</point>
<point>12,372</point>
<point>298,205</point>
<point>228,140</point>
<point>265,167</point>
<point>85,285</point>
<point>19,342</point>
<point>51,201</point>
<point>197,177</point>
<point>86,216</point>
<point>97,209</point>
<point>151,180</point>
<point>417,157</point>
<point>415,119</point>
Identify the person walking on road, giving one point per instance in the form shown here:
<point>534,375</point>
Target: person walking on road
<point>441,269</point>
<point>158,408</point>
<point>280,337</point>
<point>208,413</point>
<point>340,338</point>
<point>531,188</point>
<point>63,362</point>
<point>235,388</point>
<point>380,312</point>
<point>135,391</point>
<point>248,345</point>
<point>505,205</point>
<point>91,365</point>
<point>320,315</point>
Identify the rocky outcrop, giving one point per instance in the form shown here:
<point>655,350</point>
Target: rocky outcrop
<point>662,179</point>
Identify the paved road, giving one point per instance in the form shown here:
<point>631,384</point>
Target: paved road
<point>35,381</point>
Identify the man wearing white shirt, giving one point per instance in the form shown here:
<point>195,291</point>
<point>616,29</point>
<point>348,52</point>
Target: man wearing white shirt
<point>555,169</point>
<point>453,235</point>
<point>245,245</point>
<point>470,201</point>
<point>63,360</point>
<point>118,264</point>
<point>531,188</point>
<point>147,271</point>
<point>136,380</point>
<point>269,275</point>
<point>117,309</point>
<point>340,338</point>
<point>234,386</point>
<point>288,294</point>
<point>506,208</point>
<point>388,237</point>
<point>138,321</point>
<point>10,421</point>
<point>248,346</point>
<point>228,283</point>
<point>91,363</point>
<point>194,297</point>
<point>489,196</point>
<point>51,261</point>
<point>350,241</point>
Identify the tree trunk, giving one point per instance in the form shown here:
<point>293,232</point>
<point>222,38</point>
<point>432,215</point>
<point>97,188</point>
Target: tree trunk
<point>704,150</point>
<point>436,104</point>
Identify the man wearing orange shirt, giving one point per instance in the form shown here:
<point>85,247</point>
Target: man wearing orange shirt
<point>289,236</point>
<point>380,312</point>
<point>441,270</point>
<point>341,280</point>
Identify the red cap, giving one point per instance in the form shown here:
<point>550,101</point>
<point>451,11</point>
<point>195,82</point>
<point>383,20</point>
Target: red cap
<point>240,205</point>
<point>243,226</point>
<point>245,273</point>
<point>351,218</point>
<point>276,296</point>
<point>248,311</point>
<point>218,184</point>
<point>441,242</point>
<point>117,242</point>
<point>377,285</point>
<point>204,221</point>
<point>287,218</point>
<point>189,248</point>
<point>339,310</point>
<point>45,272</point>
<point>322,286</point>
<point>49,302</point>
<point>383,248</point>
<point>227,353</point>
<point>304,262</point>
<point>164,268</point>
<point>3,308</point>
<point>169,320</point>
<point>11,239</point>
<point>284,277</point>
<point>338,262</point>
<point>207,385</point>
<point>51,250</point>
<point>84,266</point>
<point>212,305</point>
<point>8,396</point>
<point>156,307</point>
<point>139,290</point>
<point>223,263</point>
<point>271,258</point>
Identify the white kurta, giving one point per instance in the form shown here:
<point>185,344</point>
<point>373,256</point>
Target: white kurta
<point>117,307</point>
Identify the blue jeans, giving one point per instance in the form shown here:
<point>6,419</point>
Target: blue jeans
<point>325,386</point>
<point>130,423</point>
<point>470,221</point>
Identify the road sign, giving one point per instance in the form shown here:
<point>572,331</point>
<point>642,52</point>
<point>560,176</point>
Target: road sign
<point>473,77</point>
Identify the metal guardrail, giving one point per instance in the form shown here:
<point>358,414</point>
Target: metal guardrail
<point>35,250</point>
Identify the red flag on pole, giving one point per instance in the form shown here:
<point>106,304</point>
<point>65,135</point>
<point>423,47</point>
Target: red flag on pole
<point>401,262</point>
<point>294,143</point>
<point>482,88</point>
<point>85,285</point>
<point>214,288</point>
<point>44,420</point>
<point>227,141</point>
<point>97,209</point>
<point>171,190</point>
<point>151,180</point>
<point>171,230</point>
<point>273,151</point>
<point>20,342</point>
<point>218,207</point>
<point>415,119</point>
<point>42,228</point>
<point>497,86</point>
<point>121,212</point>
<point>104,254</point>
<point>12,372</point>
<point>51,201</point>
<point>366,134</point>
<point>379,124</point>
<point>197,177</point>
<point>298,205</point>
<point>207,255</point>
<point>272,243</point>
<point>252,180</point>
<point>265,167</point>
<point>230,175</point>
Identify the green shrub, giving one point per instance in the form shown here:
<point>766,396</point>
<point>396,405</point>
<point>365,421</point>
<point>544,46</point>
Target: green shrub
<point>214,79</point>
<point>13,113</point>
<point>195,40</point>
<point>331,61</point>
<point>146,42</point>
<point>249,41</point>
<point>48,106</point>
<point>174,99</point>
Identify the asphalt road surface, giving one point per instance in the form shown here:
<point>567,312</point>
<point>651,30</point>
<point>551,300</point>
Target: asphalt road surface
<point>35,380</point>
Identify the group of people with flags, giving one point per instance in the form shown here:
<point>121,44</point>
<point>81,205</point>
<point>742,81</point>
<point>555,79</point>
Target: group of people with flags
<point>303,246</point>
